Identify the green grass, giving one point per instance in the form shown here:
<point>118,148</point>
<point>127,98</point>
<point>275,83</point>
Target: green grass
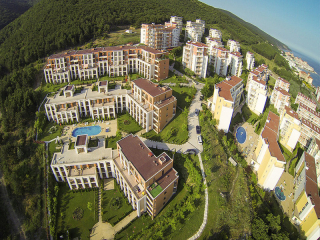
<point>93,143</point>
<point>271,81</point>
<point>155,190</point>
<point>46,135</point>
<point>174,79</point>
<point>175,132</point>
<point>120,78</point>
<point>188,226</point>
<point>71,145</point>
<point>293,165</point>
<point>235,120</point>
<point>114,205</point>
<point>68,201</point>
<point>181,93</point>
<point>52,148</point>
<point>286,153</point>
<point>248,115</point>
<point>111,142</point>
<point>133,127</point>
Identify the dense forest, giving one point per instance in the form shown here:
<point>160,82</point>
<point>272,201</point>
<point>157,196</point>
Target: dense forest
<point>52,26</point>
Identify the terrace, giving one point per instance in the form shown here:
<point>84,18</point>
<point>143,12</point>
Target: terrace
<point>91,171</point>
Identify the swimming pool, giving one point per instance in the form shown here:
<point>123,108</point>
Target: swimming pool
<point>92,130</point>
<point>279,193</point>
<point>241,135</point>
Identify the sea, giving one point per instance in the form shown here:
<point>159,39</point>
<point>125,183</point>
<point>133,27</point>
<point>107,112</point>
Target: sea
<point>312,63</point>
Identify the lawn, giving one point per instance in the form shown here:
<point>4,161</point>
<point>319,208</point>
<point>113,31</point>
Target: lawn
<point>271,81</point>
<point>68,201</point>
<point>132,77</point>
<point>128,124</point>
<point>51,131</point>
<point>174,79</point>
<point>93,143</point>
<point>114,205</point>
<point>175,132</point>
<point>248,115</point>
<point>52,148</point>
<point>293,165</point>
<point>71,145</point>
<point>111,142</point>
<point>181,93</point>
<point>145,228</point>
<point>235,120</point>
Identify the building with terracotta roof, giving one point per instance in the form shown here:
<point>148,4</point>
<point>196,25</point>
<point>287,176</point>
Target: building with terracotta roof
<point>306,112</point>
<point>195,57</point>
<point>160,36</point>
<point>233,45</point>
<point>213,42</point>
<point>260,72</point>
<point>306,76</point>
<point>280,98</point>
<point>250,61</point>
<point>306,197</point>
<point>301,98</point>
<point>282,83</point>
<point>314,150</point>
<point>268,161</point>
<point>257,94</point>
<point>226,98</point>
<point>150,105</point>
<point>195,30</point>
<point>71,103</point>
<point>178,21</point>
<point>290,128</point>
<point>308,131</point>
<point>215,33</point>
<point>111,61</point>
<point>148,181</point>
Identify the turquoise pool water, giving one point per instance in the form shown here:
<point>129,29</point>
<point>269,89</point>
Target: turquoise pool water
<point>91,131</point>
<point>279,193</point>
<point>241,135</point>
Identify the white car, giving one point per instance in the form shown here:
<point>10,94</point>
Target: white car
<point>200,139</point>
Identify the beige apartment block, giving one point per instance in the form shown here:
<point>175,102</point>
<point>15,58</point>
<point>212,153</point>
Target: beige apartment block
<point>148,181</point>
<point>267,160</point>
<point>160,36</point>
<point>71,104</point>
<point>290,128</point>
<point>195,30</point>
<point>150,105</point>
<point>301,98</point>
<point>215,33</point>
<point>233,45</point>
<point>111,61</point>
<point>280,98</point>
<point>304,111</point>
<point>178,21</point>
<point>314,150</point>
<point>256,94</point>
<point>308,131</point>
<point>195,57</point>
<point>260,72</point>
<point>282,83</point>
<point>250,61</point>
<point>306,198</point>
<point>226,98</point>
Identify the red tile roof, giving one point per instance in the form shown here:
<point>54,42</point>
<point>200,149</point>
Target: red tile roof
<point>236,54</point>
<point>150,87</point>
<point>225,87</point>
<point>301,105</point>
<point>258,80</point>
<point>198,44</point>
<point>69,87</point>
<point>282,91</point>
<point>81,140</point>
<point>138,154</point>
<point>270,135</point>
<point>292,113</point>
<point>310,125</point>
<point>103,83</point>
<point>283,80</point>
<point>167,178</point>
<point>305,97</point>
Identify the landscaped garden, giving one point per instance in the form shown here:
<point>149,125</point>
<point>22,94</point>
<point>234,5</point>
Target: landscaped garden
<point>128,124</point>
<point>111,142</point>
<point>76,212</point>
<point>114,205</point>
<point>183,214</point>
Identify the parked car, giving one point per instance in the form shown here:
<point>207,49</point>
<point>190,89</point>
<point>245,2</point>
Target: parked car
<point>198,129</point>
<point>200,139</point>
<point>190,151</point>
<point>201,97</point>
<point>197,112</point>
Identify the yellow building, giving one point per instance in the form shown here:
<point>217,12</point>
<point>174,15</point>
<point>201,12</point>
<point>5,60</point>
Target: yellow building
<point>268,161</point>
<point>290,128</point>
<point>306,197</point>
<point>226,98</point>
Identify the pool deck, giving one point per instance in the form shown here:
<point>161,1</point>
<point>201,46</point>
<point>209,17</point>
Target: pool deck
<point>112,125</point>
<point>286,184</point>
<point>249,146</point>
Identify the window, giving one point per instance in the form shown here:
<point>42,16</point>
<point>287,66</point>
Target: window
<point>165,192</point>
<point>164,198</point>
<point>164,203</point>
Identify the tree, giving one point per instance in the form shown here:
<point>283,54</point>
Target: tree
<point>259,229</point>
<point>90,206</point>
<point>187,99</point>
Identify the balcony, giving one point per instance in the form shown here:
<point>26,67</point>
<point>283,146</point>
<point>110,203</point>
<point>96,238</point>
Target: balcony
<point>91,171</point>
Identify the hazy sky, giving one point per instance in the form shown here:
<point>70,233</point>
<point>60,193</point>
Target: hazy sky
<point>296,23</point>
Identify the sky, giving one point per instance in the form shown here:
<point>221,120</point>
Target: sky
<point>296,23</point>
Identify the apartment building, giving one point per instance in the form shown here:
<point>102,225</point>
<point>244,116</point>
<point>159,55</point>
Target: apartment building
<point>260,72</point>
<point>306,76</point>
<point>72,103</point>
<point>195,30</point>
<point>318,93</point>
<point>308,131</point>
<point>150,105</point>
<point>219,59</point>
<point>148,181</point>
<point>306,197</point>
<point>309,114</point>
<point>226,98</point>
<point>215,33</point>
<point>256,94</point>
<point>314,150</point>
<point>160,36</point>
<point>235,64</point>
<point>250,61</point>
<point>268,161</point>
<point>282,83</point>
<point>233,45</point>
<point>195,57</point>
<point>301,98</point>
<point>111,61</point>
<point>290,128</point>
<point>213,42</point>
<point>178,21</point>
<point>280,98</point>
